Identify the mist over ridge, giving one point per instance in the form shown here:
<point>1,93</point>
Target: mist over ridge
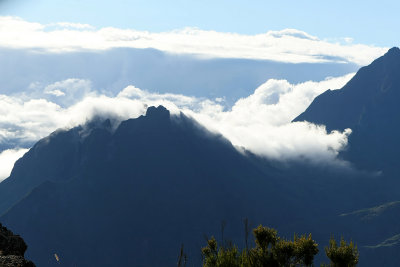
<point>266,113</point>
<point>52,74</point>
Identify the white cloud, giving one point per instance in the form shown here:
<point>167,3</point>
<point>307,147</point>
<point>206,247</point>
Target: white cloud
<point>79,26</point>
<point>55,92</point>
<point>280,102</point>
<point>7,160</point>
<point>28,121</point>
<point>292,33</point>
<point>348,40</point>
<point>288,45</point>
<point>260,122</point>
<point>63,93</point>
<point>69,91</point>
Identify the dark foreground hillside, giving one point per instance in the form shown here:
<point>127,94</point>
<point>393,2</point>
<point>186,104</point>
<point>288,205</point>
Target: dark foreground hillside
<point>12,250</point>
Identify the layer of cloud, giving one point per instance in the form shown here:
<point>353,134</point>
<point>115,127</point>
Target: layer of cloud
<point>80,26</point>
<point>26,121</point>
<point>7,160</point>
<point>69,91</point>
<point>260,122</point>
<point>288,45</point>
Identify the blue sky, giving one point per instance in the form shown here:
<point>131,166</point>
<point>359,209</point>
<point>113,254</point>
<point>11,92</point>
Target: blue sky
<point>367,22</point>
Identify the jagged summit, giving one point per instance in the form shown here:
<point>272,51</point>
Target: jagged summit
<point>389,62</point>
<point>393,51</point>
<point>158,112</point>
<point>62,143</point>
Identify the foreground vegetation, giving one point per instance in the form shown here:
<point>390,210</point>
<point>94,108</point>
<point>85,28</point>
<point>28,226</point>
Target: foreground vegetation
<point>272,250</point>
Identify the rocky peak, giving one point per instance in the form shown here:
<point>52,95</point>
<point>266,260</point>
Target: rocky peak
<point>159,112</point>
<point>393,51</point>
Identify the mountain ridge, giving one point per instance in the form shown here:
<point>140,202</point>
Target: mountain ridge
<point>368,104</point>
<point>364,85</point>
<point>151,173</point>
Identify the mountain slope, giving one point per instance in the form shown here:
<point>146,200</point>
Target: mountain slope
<point>368,104</point>
<point>377,232</point>
<point>52,166</point>
<point>345,108</point>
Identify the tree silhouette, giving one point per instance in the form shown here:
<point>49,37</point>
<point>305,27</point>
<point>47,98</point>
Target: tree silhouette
<point>344,255</point>
<point>269,250</point>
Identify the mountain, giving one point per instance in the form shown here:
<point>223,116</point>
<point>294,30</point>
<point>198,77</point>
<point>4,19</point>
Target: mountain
<point>131,196</point>
<point>51,159</point>
<point>345,108</point>
<point>368,104</point>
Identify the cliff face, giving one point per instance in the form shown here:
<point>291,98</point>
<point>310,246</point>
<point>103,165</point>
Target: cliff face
<point>12,250</point>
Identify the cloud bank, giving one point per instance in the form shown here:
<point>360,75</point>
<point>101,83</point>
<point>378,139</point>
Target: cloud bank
<point>260,122</point>
<point>288,45</point>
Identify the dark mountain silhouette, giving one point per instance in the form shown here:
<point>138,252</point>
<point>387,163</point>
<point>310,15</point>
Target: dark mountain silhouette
<point>368,104</point>
<point>345,108</point>
<point>156,182</point>
<point>131,197</point>
<point>93,195</point>
<point>54,158</point>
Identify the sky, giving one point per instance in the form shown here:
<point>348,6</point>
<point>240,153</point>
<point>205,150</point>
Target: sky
<point>368,22</point>
<point>244,69</point>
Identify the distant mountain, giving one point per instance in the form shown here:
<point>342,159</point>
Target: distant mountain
<point>369,105</point>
